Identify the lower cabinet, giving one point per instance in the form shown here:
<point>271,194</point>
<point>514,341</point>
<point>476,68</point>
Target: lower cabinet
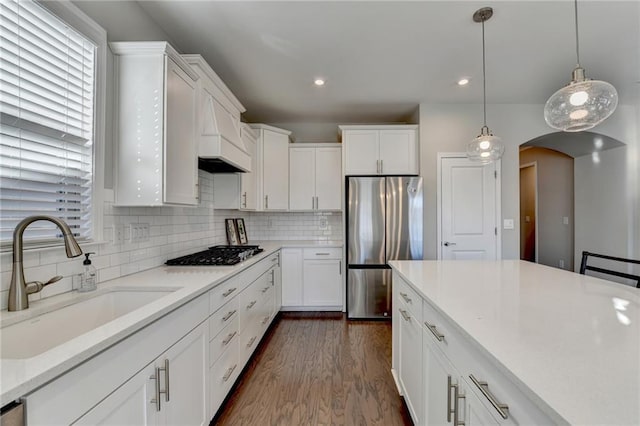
<point>172,390</point>
<point>129,405</point>
<point>175,371</point>
<point>312,279</point>
<point>445,379</point>
<point>410,340</point>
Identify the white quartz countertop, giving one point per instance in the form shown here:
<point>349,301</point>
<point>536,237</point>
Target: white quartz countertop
<point>569,341</point>
<point>21,376</point>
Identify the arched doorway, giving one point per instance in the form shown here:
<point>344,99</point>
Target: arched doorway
<point>569,203</point>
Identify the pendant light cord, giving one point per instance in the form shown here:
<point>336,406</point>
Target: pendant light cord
<point>575,4</point>
<point>484,79</point>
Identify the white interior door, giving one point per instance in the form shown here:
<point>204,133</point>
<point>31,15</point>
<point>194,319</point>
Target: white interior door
<point>469,216</point>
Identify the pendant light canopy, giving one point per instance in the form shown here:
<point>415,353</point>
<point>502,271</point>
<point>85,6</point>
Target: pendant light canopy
<point>486,147</point>
<point>583,103</point>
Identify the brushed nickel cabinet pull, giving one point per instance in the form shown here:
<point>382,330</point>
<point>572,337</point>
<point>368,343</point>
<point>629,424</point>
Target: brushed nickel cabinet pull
<point>456,404</point>
<point>264,320</point>
<point>381,166</point>
<point>434,330</point>
<point>405,297</point>
<point>166,379</point>
<point>229,373</point>
<point>323,254</point>
<point>226,341</point>
<point>156,400</point>
<point>250,305</point>
<point>405,315</point>
<point>449,387</point>
<point>264,290</point>
<point>228,292</point>
<point>266,201</point>
<point>502,409</point>
<point>253,339</point>
<point>229,315</point>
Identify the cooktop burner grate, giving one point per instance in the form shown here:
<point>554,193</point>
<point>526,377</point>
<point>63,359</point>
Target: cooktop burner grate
<point>216,256</point>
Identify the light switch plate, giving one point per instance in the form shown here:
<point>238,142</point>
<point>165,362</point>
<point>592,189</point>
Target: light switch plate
<point>508,224</point>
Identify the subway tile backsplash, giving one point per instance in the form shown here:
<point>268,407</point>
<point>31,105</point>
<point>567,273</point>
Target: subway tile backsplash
<point>173,231</point>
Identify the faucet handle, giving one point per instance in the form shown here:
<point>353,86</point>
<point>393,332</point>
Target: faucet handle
<point>53,280</point>
<point>37,286</point>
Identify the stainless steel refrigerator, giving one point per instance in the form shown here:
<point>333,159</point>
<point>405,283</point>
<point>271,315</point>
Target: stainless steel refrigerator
<point>384,222</point>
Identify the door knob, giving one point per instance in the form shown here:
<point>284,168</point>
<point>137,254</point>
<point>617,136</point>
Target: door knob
<point>447,244</point>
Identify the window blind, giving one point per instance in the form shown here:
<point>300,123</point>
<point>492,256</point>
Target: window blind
<point>47,73</point>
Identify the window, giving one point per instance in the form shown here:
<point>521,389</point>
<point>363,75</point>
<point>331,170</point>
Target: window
<point>48,76</point>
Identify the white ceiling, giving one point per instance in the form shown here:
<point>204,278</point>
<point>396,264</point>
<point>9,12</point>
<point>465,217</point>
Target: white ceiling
<point>381,59</point>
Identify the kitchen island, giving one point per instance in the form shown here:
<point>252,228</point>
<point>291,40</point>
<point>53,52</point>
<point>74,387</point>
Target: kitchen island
<point>562,346</point>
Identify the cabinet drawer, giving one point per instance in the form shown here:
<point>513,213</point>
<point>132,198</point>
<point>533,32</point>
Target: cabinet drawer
<point>223,374</point>
<point>323,253</point>
<point>249,339</point>
<point>226,337</point>
<point>222,317</point>
<point>436,328</point>
<point>409,298</point>
<point>223,293</point>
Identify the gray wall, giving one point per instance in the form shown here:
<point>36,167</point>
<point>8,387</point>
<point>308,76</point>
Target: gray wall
<point>555,202</point>
<point>447,128</point>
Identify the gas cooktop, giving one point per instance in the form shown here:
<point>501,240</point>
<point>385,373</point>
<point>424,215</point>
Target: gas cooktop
<point>217,255</point>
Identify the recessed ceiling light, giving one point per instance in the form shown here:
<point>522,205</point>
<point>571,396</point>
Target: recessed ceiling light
<point>319,82</point>
<point>463,82</point>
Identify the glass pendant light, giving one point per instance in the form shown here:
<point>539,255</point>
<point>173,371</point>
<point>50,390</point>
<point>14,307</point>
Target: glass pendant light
<point>583,103</point>
<point>486,147</point>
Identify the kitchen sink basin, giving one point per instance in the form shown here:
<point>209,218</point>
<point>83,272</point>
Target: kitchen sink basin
<point>40,333</point>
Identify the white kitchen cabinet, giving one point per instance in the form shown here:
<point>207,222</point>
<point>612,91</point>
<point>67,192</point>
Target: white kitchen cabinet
<point>292,277</point>
<point>181,390</point>
<point>380,150</point>
<point>238,191</point>
<point>248,181</point>
<point>315,177</point>
<point>322,283</point>
<point>444,365</point>
<point>156,149</point>
<point>273,167</point>
<point>312,279</point>
<point>184,367</point>
<point>410,341</point>
<point>129,405</point>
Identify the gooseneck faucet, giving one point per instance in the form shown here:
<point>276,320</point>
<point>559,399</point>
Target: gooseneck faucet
<point>19,289</point>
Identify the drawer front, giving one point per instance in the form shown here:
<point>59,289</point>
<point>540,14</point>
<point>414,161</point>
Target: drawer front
<point>437,329</point>
<point>222,317</point>
<point>323,253</point>
<point>224,293</point>
<point>249,339</point>
<point>409,298</point>
<point>223,374</point>
<point>225,338</point>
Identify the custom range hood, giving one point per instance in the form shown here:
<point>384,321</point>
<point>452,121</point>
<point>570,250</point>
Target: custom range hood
<point>220,146</point>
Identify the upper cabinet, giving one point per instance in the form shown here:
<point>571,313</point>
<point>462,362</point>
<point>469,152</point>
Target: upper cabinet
<point>273,167</point>
<point>239,190</point>
<point>156,153</point>
<point>249,181</point>
<point>380,150</point>
<point>315,177</point>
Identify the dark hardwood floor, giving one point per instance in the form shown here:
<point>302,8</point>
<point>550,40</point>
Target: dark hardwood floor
<point>318,369</point>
